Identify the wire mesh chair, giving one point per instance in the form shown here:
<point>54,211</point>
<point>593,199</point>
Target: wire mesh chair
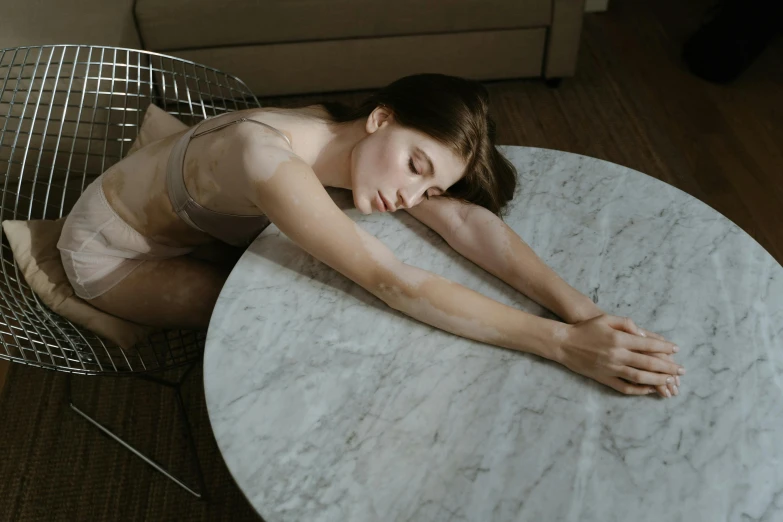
<point>67,113</point>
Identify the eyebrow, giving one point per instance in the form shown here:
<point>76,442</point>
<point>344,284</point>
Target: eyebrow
<point>429,161</point>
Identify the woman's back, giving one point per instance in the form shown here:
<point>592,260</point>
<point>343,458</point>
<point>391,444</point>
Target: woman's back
<point>145,239</point>
<point>137,188</point>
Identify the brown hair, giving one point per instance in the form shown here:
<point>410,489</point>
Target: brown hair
<point>455,112</point>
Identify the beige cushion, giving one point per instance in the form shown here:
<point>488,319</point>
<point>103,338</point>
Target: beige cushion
<point>34,246</point>
<point>196,24</point>
<point>156,124</point>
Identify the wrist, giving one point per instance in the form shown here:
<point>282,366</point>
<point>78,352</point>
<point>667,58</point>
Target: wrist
<point>583,311</point>
<point>560,333</point>
<point>547,341</point>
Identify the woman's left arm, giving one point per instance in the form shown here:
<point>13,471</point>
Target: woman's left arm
<point>482,237</point>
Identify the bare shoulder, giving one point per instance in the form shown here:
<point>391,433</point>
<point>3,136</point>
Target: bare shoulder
<point>267,126</point>
<point>262,159</point>
<point>287,190</point>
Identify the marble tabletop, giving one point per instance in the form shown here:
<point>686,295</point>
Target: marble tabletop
<point>327,405</point>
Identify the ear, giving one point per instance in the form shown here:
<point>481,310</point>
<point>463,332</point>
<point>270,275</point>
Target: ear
<point>379,117</point>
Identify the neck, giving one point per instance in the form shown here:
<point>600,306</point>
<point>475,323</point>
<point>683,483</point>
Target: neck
<point>327,147</point>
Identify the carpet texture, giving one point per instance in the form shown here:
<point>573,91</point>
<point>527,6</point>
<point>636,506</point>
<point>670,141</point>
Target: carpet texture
<point>57,466</point>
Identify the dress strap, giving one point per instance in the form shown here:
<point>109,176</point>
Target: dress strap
<point>240,120</point>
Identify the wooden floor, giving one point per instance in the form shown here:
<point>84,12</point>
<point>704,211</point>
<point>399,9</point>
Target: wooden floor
<point>632,102</point>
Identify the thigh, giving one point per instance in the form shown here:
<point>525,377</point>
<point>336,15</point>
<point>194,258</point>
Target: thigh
<point>172,293</point>
<point>217,253</point>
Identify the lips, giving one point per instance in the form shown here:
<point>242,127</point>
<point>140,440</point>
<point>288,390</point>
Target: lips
<point>379,202</point>
<point>388,205</point>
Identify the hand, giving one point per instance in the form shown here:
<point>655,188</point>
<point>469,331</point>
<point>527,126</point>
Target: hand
<point>630,364</point>
<point>591,310</point>
<point>671,388</point>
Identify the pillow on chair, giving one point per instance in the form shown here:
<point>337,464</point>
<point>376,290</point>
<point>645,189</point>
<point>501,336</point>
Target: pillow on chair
<point>34,245</point>
<point>156,124</point>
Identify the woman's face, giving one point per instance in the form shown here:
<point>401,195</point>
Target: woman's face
<point>400,165</point>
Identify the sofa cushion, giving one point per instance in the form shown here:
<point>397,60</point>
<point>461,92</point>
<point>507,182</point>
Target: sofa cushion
<point>91,22</point>
<point>193,24</point>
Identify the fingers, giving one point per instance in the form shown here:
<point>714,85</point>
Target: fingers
<point>656,347</point>
<point>667,357</point>
<point>644,377</point>
<point>654,335</point>
<point>649,363</point>
<point>626,387</point>
<point>673,388</point>
<point>645,344</point>
<point>654,342</point>
<point>668,391</point>
<point>630,388</point>
<point>649,371</point>
<point>666,385</point>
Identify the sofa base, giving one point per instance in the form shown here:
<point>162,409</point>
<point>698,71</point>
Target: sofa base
<point>368,63</point>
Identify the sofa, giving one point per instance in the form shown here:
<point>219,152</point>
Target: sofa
<point>313,46</point>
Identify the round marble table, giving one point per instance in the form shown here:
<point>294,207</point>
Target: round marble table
<point>327,405</point>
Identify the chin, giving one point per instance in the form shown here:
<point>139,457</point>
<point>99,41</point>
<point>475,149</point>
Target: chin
<point>360,205</point>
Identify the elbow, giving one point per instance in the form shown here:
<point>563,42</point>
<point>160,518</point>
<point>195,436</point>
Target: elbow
<point>397,283</point>
<point>468,224</point>
<point>458,232</point>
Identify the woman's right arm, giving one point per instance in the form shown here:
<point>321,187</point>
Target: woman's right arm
<point>287,190</point>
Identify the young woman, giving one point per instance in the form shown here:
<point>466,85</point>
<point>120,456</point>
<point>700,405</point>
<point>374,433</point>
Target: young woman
<point>424,143</point>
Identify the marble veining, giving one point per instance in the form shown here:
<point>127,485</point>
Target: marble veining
<point>327,405</point>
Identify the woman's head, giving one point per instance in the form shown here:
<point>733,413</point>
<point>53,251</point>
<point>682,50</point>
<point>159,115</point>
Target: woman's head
<point>421,119</point>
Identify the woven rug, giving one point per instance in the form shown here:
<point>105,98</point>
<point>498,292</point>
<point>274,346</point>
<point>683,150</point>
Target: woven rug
<point>57,466</point>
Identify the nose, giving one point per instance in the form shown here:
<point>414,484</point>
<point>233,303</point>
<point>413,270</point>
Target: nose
<point>402,201</point>
<point>408,202</point>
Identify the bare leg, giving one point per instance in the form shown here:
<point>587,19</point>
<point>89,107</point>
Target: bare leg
<point>218,253</point>
<point>172,293</point>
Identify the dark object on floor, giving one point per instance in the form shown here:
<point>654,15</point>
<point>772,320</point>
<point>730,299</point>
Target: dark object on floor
<point>736,32</point>
<point>553,83</point>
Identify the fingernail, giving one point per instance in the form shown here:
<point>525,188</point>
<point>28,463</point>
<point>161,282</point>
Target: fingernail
<point>676,380</point>
<point>676,349</point>
<point>667,392</point>
<point>669,380</point>
<point>676,390</point>
<point>681,371</point>
<point>642,333</point>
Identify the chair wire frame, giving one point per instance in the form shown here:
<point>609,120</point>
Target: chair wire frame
<point>68,113</point>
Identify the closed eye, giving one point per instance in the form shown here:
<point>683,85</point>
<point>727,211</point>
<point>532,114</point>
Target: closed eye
<point>412,166</point>
<point>413,169</point>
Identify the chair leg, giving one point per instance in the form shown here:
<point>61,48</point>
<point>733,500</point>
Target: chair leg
<point>188,432</point>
